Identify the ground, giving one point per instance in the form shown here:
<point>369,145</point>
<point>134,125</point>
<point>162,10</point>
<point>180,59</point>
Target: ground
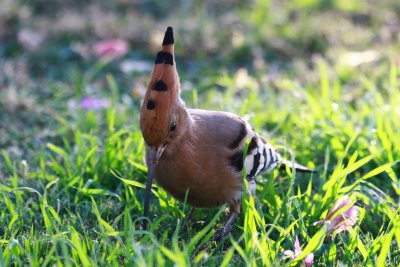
<point>319,79</point>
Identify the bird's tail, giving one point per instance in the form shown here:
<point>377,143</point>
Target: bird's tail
<point>296,166</point>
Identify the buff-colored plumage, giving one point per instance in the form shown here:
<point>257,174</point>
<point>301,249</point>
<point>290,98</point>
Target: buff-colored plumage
<point>199,160</point>
<point>198,154</point>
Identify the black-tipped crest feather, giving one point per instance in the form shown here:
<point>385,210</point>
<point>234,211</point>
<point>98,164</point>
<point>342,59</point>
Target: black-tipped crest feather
<point>169,36</point>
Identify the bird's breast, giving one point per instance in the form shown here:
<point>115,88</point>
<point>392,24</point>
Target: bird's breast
<point>202,172</point>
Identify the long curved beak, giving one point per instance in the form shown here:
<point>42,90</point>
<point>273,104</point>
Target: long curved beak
<point>152,156</point>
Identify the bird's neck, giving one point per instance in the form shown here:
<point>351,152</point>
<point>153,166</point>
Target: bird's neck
<point>184,122</point>
<point>184,118</point>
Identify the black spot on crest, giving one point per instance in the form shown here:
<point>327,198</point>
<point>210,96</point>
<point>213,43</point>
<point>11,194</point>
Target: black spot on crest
<point>160,86</point>
<point>151,104</point>
<point>159,58</point>
<point>164,57</point>
<point>236,161</point>
<point>168,58</point>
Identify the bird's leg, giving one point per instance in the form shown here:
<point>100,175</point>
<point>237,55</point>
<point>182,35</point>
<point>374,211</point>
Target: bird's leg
<point>226,228</point>
<point>234,211</point>
<point>190,214</point>
<point>188,218</point>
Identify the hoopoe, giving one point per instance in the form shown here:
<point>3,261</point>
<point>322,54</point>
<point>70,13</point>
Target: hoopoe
<point>198,152</point>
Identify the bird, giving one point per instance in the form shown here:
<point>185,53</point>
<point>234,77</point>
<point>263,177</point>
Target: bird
<point>197,155</point>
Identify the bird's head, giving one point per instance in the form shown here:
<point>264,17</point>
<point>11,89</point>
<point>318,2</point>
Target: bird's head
<point>161,106</point>
<point>163,113</point>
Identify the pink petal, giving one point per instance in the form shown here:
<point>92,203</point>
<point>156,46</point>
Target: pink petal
<point>338,220</point>
<point>289,253</point>
<point>344,221</point>
<point>342,202</point>
<point>340,228</point>
<point>309,259</point>
<point>341,221</point>
<point>92,103</point>
<point>297,249</point>
<point>112,48</point>
<point>86,103</point>
<point>352,214</point>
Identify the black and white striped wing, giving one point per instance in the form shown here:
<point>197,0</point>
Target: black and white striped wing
<point>261,157</point>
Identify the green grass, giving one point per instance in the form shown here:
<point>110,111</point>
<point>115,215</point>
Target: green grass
<point>72,181</point>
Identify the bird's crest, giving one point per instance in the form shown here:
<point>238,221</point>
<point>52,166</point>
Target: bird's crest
<point>162,95</point>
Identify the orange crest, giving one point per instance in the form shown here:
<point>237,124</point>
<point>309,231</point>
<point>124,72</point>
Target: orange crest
<point>162,95</point>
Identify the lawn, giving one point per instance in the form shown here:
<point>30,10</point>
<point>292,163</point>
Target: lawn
<point>319,79</point>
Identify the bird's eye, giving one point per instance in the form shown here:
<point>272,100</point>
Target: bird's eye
<point>173,126</point>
